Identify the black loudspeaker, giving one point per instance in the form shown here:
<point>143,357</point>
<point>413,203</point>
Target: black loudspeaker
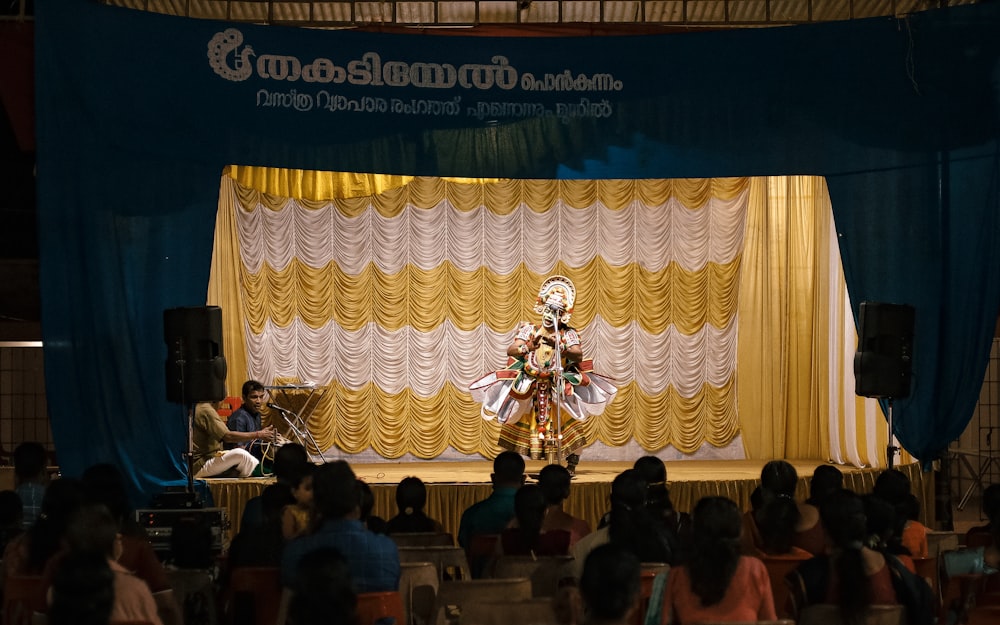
<point>883,364</point>
<point>195,366</point>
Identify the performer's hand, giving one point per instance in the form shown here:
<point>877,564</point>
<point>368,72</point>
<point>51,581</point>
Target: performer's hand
<point>268,433</point>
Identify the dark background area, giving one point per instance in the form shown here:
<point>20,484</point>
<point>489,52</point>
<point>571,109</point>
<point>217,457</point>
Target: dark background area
<point>20,302</point>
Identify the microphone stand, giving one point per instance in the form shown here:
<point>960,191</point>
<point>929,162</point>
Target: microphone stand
<point>558,380</point>
<point>299,434</point>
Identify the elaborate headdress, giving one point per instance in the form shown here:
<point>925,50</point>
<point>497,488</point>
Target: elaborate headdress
<point>558,293</point>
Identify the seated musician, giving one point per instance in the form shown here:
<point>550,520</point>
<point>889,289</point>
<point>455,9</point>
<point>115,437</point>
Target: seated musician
<point>209,432</point>
<point>247,418</point>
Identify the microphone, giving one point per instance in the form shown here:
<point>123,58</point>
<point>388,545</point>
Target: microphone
<point>273,406</point>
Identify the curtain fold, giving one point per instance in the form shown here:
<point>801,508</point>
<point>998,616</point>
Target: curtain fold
<point>388,335</point>
<point>392,303</point>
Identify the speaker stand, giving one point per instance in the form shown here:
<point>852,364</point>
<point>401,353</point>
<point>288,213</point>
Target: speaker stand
<point>188,409</point>
<point>891,450</point>
<point>189,453</point>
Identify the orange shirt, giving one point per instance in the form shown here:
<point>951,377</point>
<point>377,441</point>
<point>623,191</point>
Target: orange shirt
<point>748,597</point>
<point>915,539</point>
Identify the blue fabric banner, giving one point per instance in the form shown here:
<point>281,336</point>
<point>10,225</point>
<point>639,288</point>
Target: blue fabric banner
<point>138,114</point>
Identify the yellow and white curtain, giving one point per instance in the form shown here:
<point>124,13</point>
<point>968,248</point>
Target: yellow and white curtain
<point>393,293</point>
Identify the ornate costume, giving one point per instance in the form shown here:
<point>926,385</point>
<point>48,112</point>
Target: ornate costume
<point>525,396</point>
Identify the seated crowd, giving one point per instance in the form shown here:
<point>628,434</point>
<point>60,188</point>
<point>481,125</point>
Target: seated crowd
<point>315,526</point>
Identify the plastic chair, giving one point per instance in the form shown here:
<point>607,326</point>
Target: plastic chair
<point>537,611</point>
<point>984,615</point>
<point>826,614</point>
<point>482,554</point>
<point>423,539</point>
<point>647,578</point>
<point>782,621</point>
<point>938,541</point>
<point>454,596</point>
<point>957,591</point>
<point>978,539</point>
<point>777,570</point>
<point>376,606</point>
<point>23,596</point>
<point>927,568</point>
<point>418,585</point>
<point>253,595</point>
<point>450,562</point>
<point>544,571</point>
<point>229,405</point>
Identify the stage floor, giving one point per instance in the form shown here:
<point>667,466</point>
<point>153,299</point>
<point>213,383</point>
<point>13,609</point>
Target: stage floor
<point>453,486</point>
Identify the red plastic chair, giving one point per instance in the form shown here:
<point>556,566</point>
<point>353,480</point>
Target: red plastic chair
<point>646,578</point>
<point>373,606</point>
<point>262,586</point>
<point>777,570</point>
<point>229,405</point>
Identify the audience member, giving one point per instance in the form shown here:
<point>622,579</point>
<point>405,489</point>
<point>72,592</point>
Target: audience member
<point>630,526</point>
<point>411,497</point>
<point>609,586</point>
<point>290,460</point>
<point>652,469</point>
<point>554,481</point>
<point>93,530</point>
<point>296,518</point>
<point>373,522</point>
<point>893,486</point>
<point>262,544</point>
<point>11,515</point>
<point>83,591</point>
<point>492,515</point>
<point>881,529</point>
<point>853,576</point>
<point>718,584</point>
<point>914,532</point>
<point>988,535</point>
<point>31,477</point>
<point>324,594</point>
<point>776,526</point>
<point>826,480</point>
<point>27,553</point>
<point>372,558</point>
<point>104,484</point>
<point>778,480</point>
<point>525,535</point>
<point>750,539</point>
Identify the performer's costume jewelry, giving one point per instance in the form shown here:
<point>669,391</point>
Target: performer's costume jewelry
<point>541,398</point>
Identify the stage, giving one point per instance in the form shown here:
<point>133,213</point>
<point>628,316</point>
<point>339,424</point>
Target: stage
<point>453,486</point>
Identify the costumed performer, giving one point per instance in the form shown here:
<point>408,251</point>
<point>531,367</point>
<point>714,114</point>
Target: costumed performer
<point>540,399</point>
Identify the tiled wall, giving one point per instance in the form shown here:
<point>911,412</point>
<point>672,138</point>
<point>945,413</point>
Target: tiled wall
<point>23,410</point>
